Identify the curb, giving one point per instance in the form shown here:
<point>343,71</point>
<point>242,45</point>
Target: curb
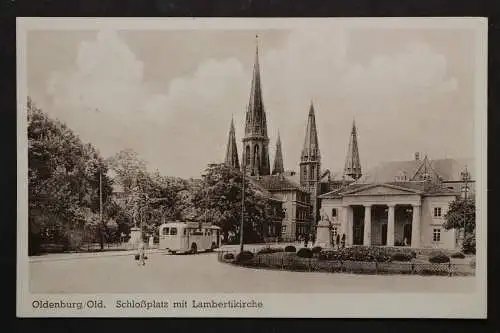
<point>98,255</point>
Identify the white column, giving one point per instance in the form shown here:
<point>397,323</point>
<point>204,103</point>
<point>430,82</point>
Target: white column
<point>390,225</point>
<point>345,221</point>
<point>415,227</point>
<point>367,233</point>
<point>350,224</point>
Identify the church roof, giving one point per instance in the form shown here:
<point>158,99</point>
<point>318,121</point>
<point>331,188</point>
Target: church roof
<point>231,149</point>
<point>448,169</point>
<point>310,150</point>
<point>278,158</point>
<point>256,122</point>
<point>352,166</point>
<point>278,183</point>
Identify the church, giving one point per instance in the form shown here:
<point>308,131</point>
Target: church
<point>394,204</point>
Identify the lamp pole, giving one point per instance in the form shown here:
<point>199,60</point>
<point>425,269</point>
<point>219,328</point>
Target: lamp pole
<point>242,207</point>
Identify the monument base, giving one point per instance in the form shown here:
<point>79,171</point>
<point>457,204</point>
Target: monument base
<point>135,236</point>
<point>323,235</point>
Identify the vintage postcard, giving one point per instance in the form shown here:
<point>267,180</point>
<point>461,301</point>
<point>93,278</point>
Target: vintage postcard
<point>252,167</point>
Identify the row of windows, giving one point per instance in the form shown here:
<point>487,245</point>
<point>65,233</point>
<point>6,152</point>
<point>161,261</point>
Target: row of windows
<point>191,231</point>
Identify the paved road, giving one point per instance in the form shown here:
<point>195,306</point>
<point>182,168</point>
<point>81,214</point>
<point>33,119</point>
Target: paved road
<point>202,273</point>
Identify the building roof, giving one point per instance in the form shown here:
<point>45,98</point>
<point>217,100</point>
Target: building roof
<point>278,183</point>
<point>448,169</point>
<point>420,187</point>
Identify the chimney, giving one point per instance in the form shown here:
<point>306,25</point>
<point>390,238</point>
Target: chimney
<point>417,156</point>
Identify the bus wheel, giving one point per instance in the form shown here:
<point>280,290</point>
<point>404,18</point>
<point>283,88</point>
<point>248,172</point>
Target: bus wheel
<point>194,248</point>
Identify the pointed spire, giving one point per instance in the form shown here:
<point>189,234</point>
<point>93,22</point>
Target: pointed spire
<point>231,149</point>
<point>310,151</point>
<point>256,122</point>
<point>278,158</point>
<point>352,163</point>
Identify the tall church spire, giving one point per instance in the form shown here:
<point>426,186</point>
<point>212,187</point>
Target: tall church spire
<point>278,158</point>
<point>231,149</point>
<point>310,164</point>
<point>256,142</point>
<point>352,163</point>
<point>310,151</point>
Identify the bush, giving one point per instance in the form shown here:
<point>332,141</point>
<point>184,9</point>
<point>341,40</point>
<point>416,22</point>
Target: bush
<point>244,256</point>
<point>290,248</point>
<point>401,257</point>
<point>316,249</point>
<point>458,255</point>
<point>305,253</point>
<point>228,256</point>
<point>269,250</point>
<point>438,258</point>
<point>469,244</point>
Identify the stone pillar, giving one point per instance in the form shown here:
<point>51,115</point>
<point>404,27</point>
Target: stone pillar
<point>415,227</point>
<point>367,234</point>
<point>323,234</point>
<point>390,225</point>
<point>135,236</point>
<point>350,226</point>
<point>345,224</point>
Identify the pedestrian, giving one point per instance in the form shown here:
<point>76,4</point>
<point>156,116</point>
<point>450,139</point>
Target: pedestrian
<point>141,260</point>
<point>306,240</point>
<point>338,241</point>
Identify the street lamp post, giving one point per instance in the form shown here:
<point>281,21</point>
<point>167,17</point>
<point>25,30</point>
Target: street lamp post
<point>242,207</point>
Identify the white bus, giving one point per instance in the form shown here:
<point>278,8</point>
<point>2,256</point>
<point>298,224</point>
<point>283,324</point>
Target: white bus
<point>188,237</point>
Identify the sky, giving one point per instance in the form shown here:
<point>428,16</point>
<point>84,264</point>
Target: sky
<point>170,95</point>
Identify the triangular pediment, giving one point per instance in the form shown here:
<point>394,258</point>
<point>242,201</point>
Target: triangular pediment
<point>381,189</point>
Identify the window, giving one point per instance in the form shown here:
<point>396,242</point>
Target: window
<point>436,235</point>
<point>334,213</point>
<point>283,228</point>
<point>173,231</point>
<point>165,231</point>
<point>437,211</point>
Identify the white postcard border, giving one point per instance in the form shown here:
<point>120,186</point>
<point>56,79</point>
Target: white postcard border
<point>423,305</point>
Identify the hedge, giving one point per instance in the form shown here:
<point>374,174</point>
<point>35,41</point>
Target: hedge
<point>290,248</point>
<point>458,255</point>
<point>401,257</point>
<point>270,250</point>
<point>305,253</point>
<point>367,253</point>
<point>316,249</point>
<point>228,256</point>
<point>438,258</point>
<point>244,256</point>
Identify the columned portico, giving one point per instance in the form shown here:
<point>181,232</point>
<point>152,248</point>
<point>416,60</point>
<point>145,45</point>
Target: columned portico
<point>415,226</point>
<point>390,225</point>
<point>367,233</point>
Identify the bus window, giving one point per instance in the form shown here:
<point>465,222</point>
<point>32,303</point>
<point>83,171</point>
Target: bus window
<point>173,231</point>
<point>185,231</point>
<point>165,231</point>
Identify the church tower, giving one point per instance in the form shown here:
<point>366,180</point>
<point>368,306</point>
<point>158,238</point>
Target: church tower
<point>278,159</point>
<point>231,149</point>
<point>310,162</point>
<point>352,166</point>
<point>255,157</point>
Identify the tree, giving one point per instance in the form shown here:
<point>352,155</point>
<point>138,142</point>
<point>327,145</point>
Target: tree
<point>63,180</point>
<point>219,199</point>
<point>461,215</point>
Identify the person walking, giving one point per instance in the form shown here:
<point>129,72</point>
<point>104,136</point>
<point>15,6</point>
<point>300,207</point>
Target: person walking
<point>140,253</point>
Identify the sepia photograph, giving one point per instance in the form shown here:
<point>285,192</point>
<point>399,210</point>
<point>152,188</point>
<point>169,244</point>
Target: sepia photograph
<point>249,167</point>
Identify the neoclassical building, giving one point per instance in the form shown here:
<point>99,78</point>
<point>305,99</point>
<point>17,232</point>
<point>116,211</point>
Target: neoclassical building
<point>399,204</point>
